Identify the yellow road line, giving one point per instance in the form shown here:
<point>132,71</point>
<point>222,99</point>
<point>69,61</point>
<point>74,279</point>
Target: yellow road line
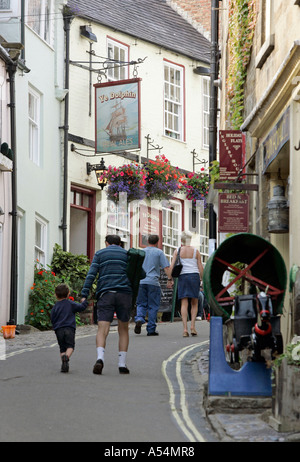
<point>184,422</point>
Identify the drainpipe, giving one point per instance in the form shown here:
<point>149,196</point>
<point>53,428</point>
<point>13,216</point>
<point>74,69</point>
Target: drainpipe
<point>23,29</point>
<point>12,68</point>
<point>213,111</point>
<point>67,22</point>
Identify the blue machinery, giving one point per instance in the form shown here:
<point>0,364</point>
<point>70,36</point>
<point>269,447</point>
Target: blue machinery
<point>253,379</point>
<point>252,321</point>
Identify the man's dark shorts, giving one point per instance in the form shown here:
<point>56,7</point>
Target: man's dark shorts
<point>114,302</point>
<point>66,338</point>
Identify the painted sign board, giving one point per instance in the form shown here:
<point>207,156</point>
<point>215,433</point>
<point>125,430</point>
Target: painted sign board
<point>232,148</point>
<point>233,214</point>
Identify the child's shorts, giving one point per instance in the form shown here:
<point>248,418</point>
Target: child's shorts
<point>66,338</point>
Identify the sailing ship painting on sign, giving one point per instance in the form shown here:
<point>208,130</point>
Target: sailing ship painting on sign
<point>118,115</point>
<point>116,127</point>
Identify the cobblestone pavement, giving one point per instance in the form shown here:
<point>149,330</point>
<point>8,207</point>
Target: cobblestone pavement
<point>230,425</point>
<point>240,424</point>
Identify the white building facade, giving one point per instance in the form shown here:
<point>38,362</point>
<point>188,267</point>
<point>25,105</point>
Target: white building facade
<point>39,83</point>
<point>174,105</point>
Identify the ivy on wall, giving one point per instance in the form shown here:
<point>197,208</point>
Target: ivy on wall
<point>242,22</point>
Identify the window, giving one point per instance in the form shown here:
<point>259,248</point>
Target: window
<point>206,99</point>
<point>118,221</point>
<point>40,240</point>
<point>117,53</point>
<point>171,227</point>
<point>82,221</point>
<point>34,126</point>
<point>4,4</point>
<point>39,17</point>
<point>267,32</point>
<point>173,101</point>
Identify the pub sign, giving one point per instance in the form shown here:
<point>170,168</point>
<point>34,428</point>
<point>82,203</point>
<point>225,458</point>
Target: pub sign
<point>117,111</point>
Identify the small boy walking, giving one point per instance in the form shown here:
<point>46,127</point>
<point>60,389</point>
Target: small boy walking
<point>64,323</point>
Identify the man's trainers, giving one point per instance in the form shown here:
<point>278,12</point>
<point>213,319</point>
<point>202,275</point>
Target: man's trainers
<point>65,363</point>
<point>123,370</point>
<point>138,326</point>
<point>152,333</point>
<point>98,366</point>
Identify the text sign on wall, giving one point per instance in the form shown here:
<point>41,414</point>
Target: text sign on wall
<point>233,214</point>
<point>150,223</point>
<point>117,115</point>
<point>278,136</point>
<point>232,148</point>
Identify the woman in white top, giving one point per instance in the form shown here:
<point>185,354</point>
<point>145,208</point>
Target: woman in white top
<point>189,280</point>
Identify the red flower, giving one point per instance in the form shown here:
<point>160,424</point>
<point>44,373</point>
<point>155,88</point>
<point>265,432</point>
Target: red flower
<point>71,298</point>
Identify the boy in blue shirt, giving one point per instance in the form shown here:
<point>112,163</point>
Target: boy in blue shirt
<point>64,323</point>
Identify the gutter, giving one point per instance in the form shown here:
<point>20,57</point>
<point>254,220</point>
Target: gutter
<point>67,22</point>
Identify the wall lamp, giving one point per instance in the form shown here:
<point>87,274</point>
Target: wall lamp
<point>86,32</point>
<point>99,170</point>
<point>201,70</point>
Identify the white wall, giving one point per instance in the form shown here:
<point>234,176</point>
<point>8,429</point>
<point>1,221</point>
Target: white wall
<point>39,186</point>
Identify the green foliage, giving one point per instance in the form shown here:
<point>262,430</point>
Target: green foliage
<point>292,353</point>
<point>242,22</point>
<point>66,268</point>
<point>214,171</point>
<point>42,298</point>
<point>71,268</point>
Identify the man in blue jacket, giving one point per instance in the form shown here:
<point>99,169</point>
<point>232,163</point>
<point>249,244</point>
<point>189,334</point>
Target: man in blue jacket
<point>149,295</point>
<point>114,295</point>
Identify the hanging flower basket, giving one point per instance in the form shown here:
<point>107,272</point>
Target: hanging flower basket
<point>162,180</point>
<point>129,179</point>
<point>158,179</point>
<point>197,186</point>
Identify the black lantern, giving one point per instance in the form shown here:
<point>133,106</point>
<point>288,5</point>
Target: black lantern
<point>99,170</point>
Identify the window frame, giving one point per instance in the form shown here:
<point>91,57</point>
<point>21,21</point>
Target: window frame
<point>41,26</point>
<point>115,210</point>
<point>174,209</point>
<point>40,251</point>
<point>205,113</point>
<point>267,32</point>
<point>6,8</point>
<point>85,200</point>
<point>170,129</point>
<point>111,71</point>
<point>34,128</point>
